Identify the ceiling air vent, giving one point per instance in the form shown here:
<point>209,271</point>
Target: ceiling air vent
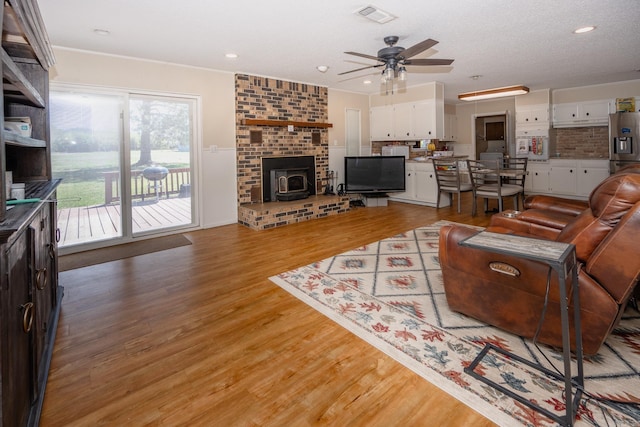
<point>375,14</point>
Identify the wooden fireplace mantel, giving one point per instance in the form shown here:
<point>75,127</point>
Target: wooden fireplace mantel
<point>284,123</point>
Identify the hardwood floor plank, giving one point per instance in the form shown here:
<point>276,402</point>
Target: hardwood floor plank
<point>198,335</point>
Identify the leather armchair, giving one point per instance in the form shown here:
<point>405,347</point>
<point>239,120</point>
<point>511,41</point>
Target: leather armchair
<point>605,238</point>
<point>546,215</point>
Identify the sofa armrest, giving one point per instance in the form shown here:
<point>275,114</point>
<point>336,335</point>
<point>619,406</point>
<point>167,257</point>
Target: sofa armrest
<point>555,204</point>
<point>532,223</point>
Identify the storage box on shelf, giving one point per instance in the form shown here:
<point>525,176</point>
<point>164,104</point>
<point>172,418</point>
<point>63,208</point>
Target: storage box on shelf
<point>29,292</point>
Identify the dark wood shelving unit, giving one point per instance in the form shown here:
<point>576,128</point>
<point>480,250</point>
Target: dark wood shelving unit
<point>29,293</point>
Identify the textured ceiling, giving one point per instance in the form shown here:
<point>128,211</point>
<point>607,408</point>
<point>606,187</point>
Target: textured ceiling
<point>505,42</point>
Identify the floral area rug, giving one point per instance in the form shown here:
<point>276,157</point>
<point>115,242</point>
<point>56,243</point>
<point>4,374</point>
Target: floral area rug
<point>390,294</point>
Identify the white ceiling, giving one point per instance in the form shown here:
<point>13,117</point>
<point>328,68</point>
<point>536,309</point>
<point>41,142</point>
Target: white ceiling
<point>506,42</point>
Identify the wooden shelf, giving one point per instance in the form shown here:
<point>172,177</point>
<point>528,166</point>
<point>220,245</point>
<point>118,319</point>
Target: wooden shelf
<point>16,86</point>
<point>12,138</point>
<point>285,123</point>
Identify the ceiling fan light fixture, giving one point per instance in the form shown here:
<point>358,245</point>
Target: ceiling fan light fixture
<point>402,74</point>
<point>494,93</point>
<point>388,73</point>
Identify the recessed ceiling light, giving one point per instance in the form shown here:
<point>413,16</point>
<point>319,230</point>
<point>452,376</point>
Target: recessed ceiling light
<point>584,29</point>
<point>322,68</point>
<point>101,32</point>
<point>231,55</point>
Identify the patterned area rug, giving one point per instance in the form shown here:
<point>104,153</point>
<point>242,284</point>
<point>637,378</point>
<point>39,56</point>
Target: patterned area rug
<point>390,294</point>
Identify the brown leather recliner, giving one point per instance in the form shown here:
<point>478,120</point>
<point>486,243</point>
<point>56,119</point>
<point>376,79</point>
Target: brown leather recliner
<point>549,214</point>
<point>605,235</point>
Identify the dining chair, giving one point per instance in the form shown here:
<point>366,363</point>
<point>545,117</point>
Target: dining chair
<point>519,168</point>
<point>449,179</point>
<point>488,183</point>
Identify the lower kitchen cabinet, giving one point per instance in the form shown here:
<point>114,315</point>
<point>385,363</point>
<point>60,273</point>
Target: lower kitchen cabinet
<point>421,186</point>
<point>30,299</point>
<point>590,174</point>
<point>573,178</point>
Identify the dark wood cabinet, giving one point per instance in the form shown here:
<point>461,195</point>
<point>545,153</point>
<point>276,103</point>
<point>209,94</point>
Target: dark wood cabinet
<point>29,292</point>
<point>494,131</point>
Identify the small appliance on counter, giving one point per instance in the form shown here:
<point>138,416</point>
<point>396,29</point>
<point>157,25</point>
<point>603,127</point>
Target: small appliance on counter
<point>396,150</point>
<point>624,140</point>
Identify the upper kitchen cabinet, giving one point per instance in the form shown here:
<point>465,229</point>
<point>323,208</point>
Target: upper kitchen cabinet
<point>381,120</point>
<point>416,114</point>
<point>407,121</point>
<point>450,127</point>
<point>533,110</point>
<point>578,114</point>
<point>533,116</point>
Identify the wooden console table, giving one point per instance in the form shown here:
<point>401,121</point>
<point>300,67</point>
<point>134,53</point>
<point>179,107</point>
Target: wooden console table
<point>561,257</point>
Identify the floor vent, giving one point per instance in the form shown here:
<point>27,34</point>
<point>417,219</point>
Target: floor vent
<point>375,14</point>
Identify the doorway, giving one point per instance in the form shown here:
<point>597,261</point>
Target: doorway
<point>126,164</point>
<point>491,132</point>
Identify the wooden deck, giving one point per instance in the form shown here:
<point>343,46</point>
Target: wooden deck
<point>87,224</point>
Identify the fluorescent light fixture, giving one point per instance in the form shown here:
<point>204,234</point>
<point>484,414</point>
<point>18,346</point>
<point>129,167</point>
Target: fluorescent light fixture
<point>231,55</point>
<point>101,32</point>
<point>584,29</point>
<point>366,82</point>
<point>494,93</point>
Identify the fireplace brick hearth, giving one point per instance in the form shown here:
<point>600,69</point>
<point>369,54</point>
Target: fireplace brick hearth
<point>264,98</point>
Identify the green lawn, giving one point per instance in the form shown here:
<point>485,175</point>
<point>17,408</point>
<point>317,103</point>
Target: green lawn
<point>82,173</point>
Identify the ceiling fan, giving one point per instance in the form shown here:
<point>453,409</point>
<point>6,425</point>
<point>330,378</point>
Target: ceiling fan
<point>394,58</point>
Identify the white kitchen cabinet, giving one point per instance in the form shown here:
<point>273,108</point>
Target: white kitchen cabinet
<point>563,177</point>
<point>450,127</point>
<point>537,180</point>
<point>407,121</point>
<point>403,121</point>
<point>421,186</point>
<point>536,116</point>
<point>428,120</point>
<point>381,123</point>
<point>590,174</point>
<point>571,178</point>
<point>426,185</point>
<point>577,114</point>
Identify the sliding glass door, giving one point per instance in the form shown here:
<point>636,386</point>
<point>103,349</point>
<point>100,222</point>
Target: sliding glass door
<point>126,163</point>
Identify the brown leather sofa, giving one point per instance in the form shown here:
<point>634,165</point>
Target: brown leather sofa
<point>608,252</point>
<point>546,215</point>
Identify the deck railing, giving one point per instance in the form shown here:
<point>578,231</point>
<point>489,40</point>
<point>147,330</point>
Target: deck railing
<point>177,181</point>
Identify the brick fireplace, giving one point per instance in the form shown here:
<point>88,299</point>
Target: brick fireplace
<point>278,102</point>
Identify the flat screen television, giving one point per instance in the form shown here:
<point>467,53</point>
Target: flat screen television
<point>374,174</point>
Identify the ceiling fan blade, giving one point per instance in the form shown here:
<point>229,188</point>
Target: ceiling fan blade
<point>417,48</point>
<point>360,69</point>
<point>363,55</point>
<point>428,61</point>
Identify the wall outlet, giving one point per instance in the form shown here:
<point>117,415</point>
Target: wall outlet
<point>290,128</point>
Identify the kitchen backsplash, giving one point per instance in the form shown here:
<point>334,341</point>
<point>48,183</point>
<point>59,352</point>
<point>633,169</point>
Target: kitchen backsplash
<point>583,143</point>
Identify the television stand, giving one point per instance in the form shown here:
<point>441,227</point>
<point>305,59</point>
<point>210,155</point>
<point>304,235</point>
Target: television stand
<point>375,199</point>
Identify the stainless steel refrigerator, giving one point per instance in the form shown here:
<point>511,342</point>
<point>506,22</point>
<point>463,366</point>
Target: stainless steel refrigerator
<point>624,140</point>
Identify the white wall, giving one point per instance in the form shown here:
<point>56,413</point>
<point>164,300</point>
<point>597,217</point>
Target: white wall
<point>217,170</point>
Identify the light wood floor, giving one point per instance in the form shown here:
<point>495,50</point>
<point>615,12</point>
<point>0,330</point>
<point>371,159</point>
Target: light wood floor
<point>198,335</point>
